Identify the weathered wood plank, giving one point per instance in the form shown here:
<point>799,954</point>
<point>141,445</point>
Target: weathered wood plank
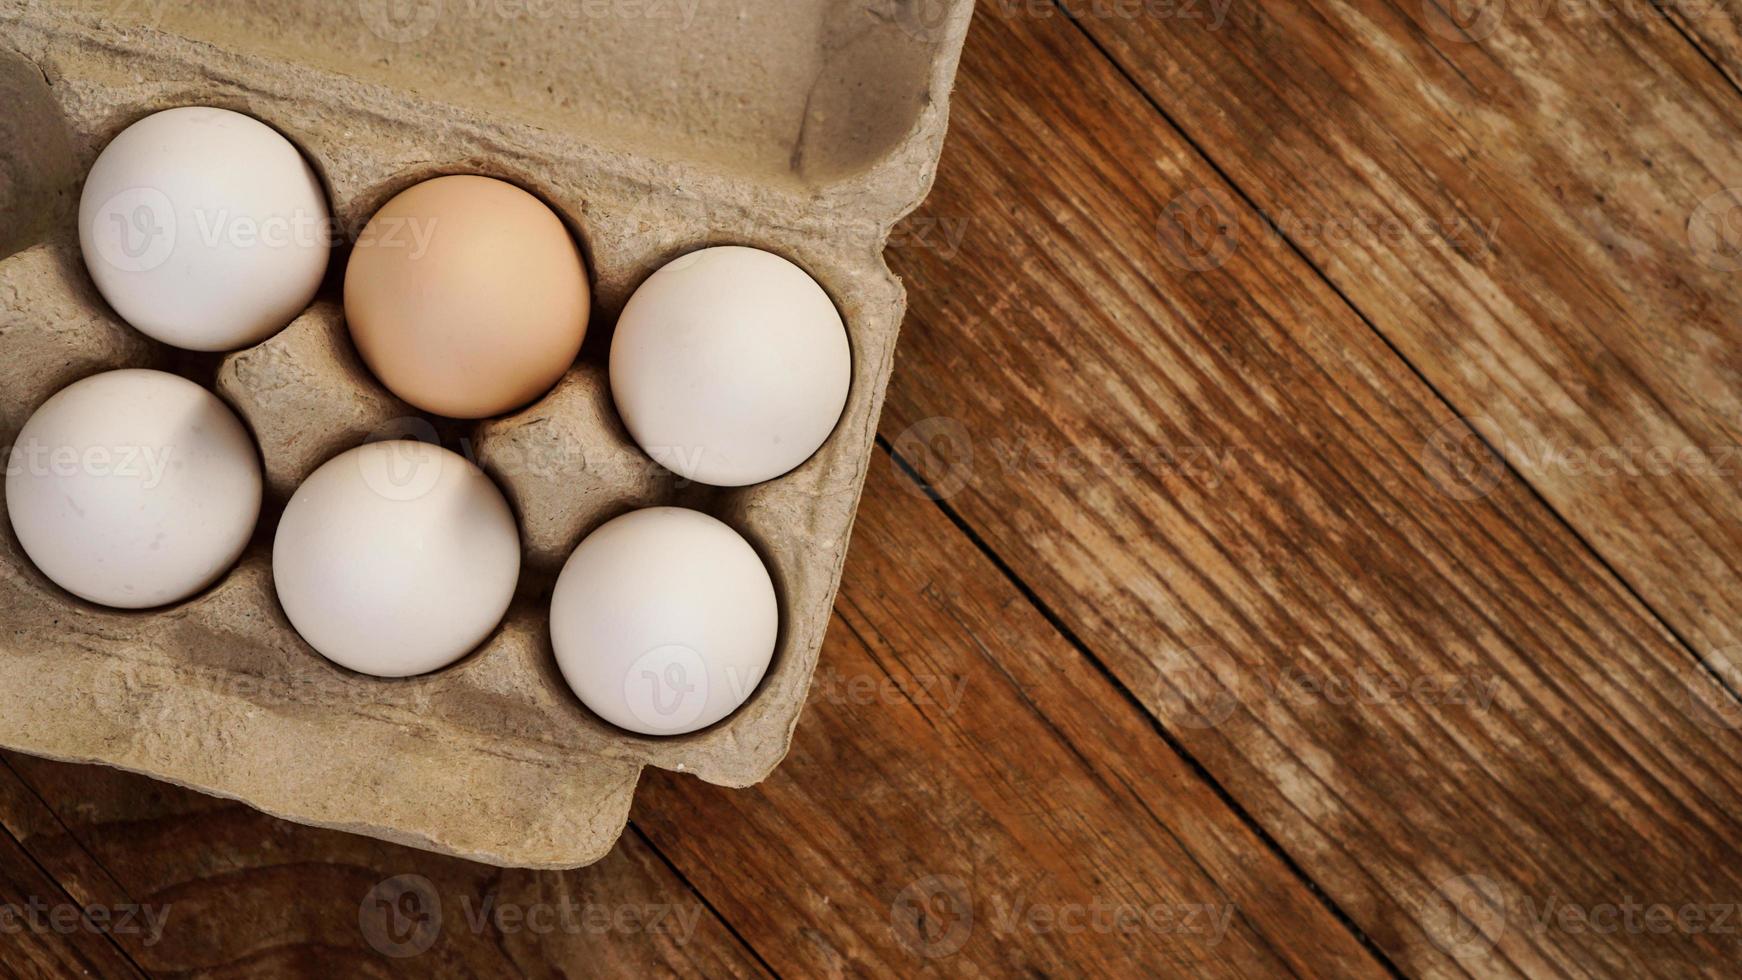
<point>1715,27</point>
<point>247,895</point>
<point>48,934</point>
<point>1216,479</point>
<point>968,796</point>
<point>1533,204</point>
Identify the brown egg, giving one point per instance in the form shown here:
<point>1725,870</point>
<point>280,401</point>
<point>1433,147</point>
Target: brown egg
<point>466,296</point>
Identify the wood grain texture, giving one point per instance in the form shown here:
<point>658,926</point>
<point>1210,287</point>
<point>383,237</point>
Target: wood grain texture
<point>1297,631</point>
<point>1446,710</point>
<point>1538,205</point>
<point>46,933</point>
<point>968,796</point>
<point>248,895</point>
<point>1715,27</point>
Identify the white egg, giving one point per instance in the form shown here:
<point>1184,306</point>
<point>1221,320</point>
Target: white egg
<point>133,488</point>
<point>204,228</point>
<point>396,558</point>
<point>664,621</point>
<point>730,366</point>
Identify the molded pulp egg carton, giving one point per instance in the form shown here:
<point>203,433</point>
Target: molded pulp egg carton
<point>654,127</point>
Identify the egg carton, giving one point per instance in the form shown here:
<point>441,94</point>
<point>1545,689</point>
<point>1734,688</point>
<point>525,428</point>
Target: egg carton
<point>653,127</point>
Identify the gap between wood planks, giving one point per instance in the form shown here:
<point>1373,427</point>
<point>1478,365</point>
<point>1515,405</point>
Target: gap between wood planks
<point>714,911</point>
<point>100,934</point>
<point>882,517</point>
<point>1067,315</point>
<point>1042,787</point>
<point>1069,636</point>
<point>1683,30</point>
<point>81,870</point>
<point>1029,593</point>
<point>1716,35</point>
<point>1057,624</point>
<point>1294,246</point>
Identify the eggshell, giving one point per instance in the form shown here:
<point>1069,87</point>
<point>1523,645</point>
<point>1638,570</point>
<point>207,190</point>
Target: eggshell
<point>396,558</point>
<point>466,296</point>
<point>664,621</point>
<point>730,366</point>
<point>133,488</point>
<point>204,228</point>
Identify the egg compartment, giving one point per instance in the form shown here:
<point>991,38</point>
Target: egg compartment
<point>492,759</point>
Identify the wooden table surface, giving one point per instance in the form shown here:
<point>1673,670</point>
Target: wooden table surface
<point>1304,539</point>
